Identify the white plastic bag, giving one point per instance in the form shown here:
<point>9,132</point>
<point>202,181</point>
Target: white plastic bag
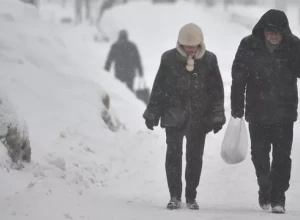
<point>235,142</point>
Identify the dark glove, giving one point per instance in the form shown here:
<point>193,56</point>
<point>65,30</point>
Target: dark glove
<point>217,128</point>
<point>150,124</point>
<point>218,122</point>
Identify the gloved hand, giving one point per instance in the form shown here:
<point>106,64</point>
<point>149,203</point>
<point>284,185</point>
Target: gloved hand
<point>217,127</point>
<point>218,122</point>
<point>150,124</point>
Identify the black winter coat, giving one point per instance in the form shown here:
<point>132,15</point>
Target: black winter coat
<point>269,79</point>
<point>179,97</point>
<point>127,60</point>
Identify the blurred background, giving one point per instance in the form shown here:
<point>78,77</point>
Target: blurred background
<point>107,17</point>
<point>153,25</point>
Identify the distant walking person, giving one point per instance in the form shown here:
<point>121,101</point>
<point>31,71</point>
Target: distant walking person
<point>126,58</point>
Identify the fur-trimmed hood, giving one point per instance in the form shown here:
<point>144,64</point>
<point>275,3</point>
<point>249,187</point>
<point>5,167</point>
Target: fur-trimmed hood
<point>191,35</point>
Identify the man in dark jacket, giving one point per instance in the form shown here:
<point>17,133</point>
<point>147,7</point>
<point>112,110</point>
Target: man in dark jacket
<point>188,99</point>
<point>266,67</point>
<point>127,60</point>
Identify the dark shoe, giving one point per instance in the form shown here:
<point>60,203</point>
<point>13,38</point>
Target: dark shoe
<point>174,203</point>
<point>192,204</point>
<point>278,201</point>
<point>278,209</point>
<point>264,200</point>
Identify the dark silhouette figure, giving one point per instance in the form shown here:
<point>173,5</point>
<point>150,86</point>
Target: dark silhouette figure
<point>126,58</point>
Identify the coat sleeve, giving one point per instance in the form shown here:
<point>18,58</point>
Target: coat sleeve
<point>239,73</point>
<point>295,59</point>
<point>217,93</point>
<point>158,94</point>
<point>110,58</point>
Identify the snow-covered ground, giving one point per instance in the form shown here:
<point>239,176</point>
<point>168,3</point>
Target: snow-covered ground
<point>80,170</point>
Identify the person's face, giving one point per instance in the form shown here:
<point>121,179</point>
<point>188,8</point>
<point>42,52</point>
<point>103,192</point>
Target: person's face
<point>190,50</point>
<point>273,37</point>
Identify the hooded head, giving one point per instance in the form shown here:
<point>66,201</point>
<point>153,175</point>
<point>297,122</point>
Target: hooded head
<point>274,21</point>
<point>123,35</point>
<point>191,35</point>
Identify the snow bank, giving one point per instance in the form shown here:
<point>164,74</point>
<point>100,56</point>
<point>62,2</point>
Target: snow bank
<point>48,88</point>
<point>53,77</point>
<point>13,132</point>
<point>10,118</point>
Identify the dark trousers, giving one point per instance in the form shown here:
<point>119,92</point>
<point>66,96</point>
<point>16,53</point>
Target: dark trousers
<point>273,178</point>
<point>194,153</point>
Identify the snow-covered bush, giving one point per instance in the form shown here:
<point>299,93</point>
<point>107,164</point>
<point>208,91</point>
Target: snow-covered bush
<point>13,131</point>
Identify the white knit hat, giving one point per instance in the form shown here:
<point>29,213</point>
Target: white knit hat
<point>191,35</point>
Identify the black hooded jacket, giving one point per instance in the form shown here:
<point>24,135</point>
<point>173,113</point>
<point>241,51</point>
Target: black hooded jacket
<point>269,79</point>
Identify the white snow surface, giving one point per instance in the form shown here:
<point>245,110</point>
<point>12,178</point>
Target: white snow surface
<point>53,74</point>
<point>9,118</point>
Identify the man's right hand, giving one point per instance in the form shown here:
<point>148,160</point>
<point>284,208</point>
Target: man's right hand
<point>150,124</point>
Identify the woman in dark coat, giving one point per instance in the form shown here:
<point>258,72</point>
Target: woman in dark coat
<point>188,99</point>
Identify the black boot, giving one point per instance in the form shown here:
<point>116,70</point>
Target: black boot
<point>264,199</point>
<point>174,203</point>
<point>278,202</point>
<point>192,204</point>
<point>278,209</point>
